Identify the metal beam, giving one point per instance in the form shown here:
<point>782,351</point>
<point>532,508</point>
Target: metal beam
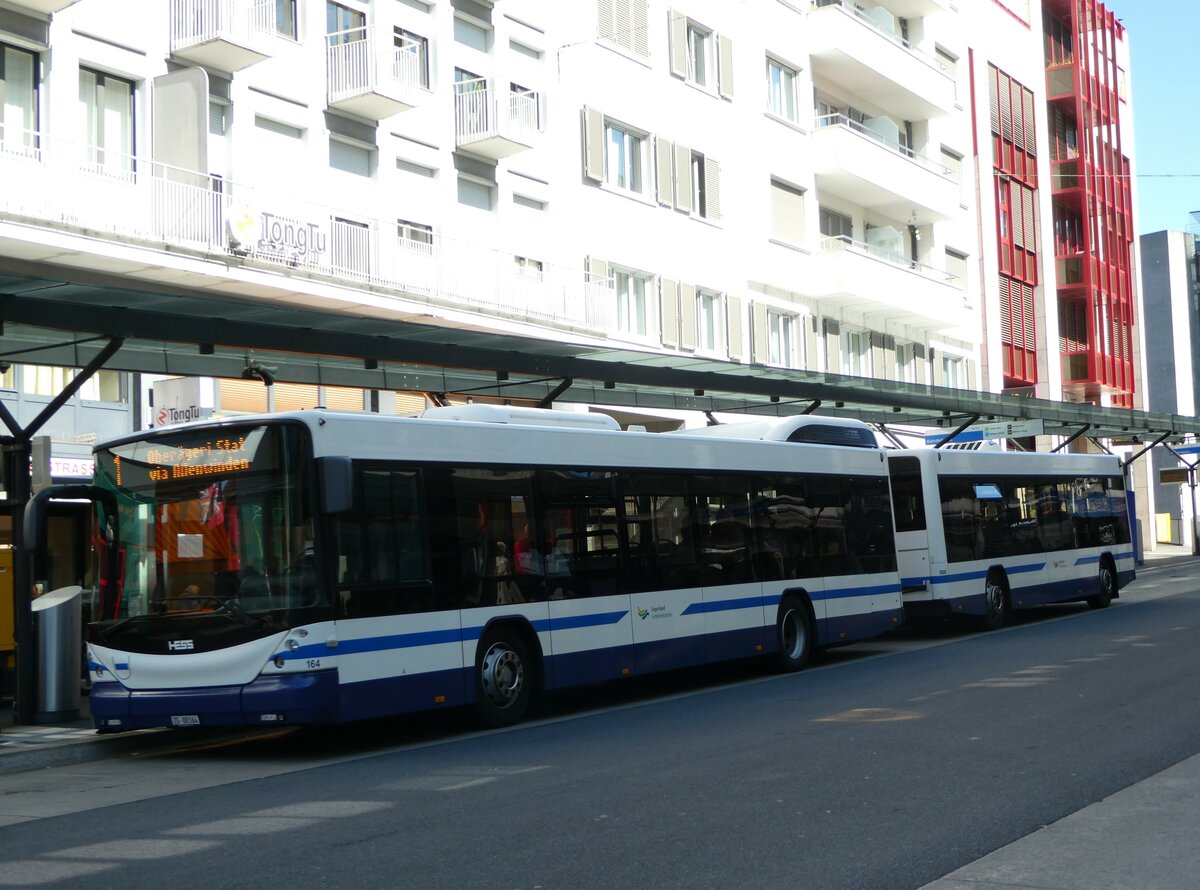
<point>562,387</point>
<point>950,438</point>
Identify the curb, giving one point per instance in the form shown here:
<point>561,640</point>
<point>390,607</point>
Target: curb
<point>102,747</point>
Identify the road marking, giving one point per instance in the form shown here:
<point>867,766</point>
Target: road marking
<point>1007,683</point>
<point>871,715</point>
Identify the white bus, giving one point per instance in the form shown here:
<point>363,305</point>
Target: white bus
<point>981,533</point>
<point>315,567</point>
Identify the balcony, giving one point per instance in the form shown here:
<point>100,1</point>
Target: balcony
<point>494,125</point>
<point>862,52</point>
<point>368,80</point>
<point>127,210</point>
<point>45,7</point>
<point>865,164</point>
<point>886,288</point>
<point>224,35</point>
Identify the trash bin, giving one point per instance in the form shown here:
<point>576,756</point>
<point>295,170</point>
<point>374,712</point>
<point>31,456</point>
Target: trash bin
<point>58,621</point>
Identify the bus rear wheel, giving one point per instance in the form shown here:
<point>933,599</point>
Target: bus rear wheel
<point>504,678</point>
<point>794,636</point>
<point>1108,587</point>
<point>995,602</point>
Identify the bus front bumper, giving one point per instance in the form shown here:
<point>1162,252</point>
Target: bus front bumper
<point>289,699</point>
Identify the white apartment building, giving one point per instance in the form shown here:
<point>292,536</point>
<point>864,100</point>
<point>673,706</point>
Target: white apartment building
<point>795,183</point>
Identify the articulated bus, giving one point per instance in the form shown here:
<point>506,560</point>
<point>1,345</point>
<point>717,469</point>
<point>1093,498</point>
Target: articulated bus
<point>981,533</point>
<point>315,567</point>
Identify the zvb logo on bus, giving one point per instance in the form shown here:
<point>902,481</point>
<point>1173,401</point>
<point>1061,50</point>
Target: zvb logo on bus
<point>180,645</point>
<point>654,612</point>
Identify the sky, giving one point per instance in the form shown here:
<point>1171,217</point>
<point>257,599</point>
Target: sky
<point>1163,35</point>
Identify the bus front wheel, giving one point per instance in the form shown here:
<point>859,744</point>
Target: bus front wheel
<point>794,635</point>
<point>1108,587</point>
<point>504,678</point>
<point>995,602</point>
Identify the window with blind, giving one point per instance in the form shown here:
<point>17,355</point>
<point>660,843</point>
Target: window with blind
<point>787,214</point>
<point>350,158</point>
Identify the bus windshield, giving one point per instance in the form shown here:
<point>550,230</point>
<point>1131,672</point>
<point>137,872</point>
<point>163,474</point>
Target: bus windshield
<point>215,520</point>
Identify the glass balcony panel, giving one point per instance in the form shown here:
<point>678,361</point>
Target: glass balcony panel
<point>886,288</point>
<point>868,167</point>
<point>863,55</point>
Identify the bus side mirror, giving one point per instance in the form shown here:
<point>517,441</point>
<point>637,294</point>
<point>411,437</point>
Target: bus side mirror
<point>336,476</point>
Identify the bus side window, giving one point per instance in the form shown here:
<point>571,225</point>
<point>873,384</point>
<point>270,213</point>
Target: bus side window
<point>379,566</point>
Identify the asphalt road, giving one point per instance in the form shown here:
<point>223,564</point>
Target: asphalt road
<point>887,766</point>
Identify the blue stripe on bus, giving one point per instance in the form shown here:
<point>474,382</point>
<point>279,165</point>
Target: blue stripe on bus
<point>437,637</point>
<point>982,573</point>
<point>749,602</point>
<point>1086,560</point>
<point>576,621</point>
<point>842,592</point>
<point>754,602</point>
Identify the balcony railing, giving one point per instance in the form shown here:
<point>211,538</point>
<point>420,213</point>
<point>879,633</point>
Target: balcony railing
<point>70,187</point>
<point>888,255</point>
<point>841,120</point>
<point>496,126</point>
<point>225,34</point>
<point>369,81</point>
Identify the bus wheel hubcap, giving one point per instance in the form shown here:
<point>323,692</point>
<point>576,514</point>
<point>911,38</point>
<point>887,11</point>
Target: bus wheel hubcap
<point>995,598</point>
<point>503,675</point>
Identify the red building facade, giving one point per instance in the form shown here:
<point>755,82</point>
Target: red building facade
<point>1093,212</point>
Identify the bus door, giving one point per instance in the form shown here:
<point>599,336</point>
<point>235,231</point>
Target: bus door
<point>663,572</point>
<point>735,615</point>
<point>590,618</point>
<point>912,533</point>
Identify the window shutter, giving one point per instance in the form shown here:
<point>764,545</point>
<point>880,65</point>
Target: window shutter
<point>712,189</point>
<point>1030,340</point>
<point>669,311</point>
<point>810,343</point>
<point>994,96</point>
<point>1030,122</point>
<point>597,270</point>
<point>939,376</point>
<point>878,358</point>
<point>677,29</point>
<point>922,366</point>
<point>604,19</point>
<point>1027,211</point>
<point>639,40</point>
<point>683,178</point>
<point>687,316</point>
<point>622,32</point>
<point>970,366</point>
<point>833,347</point>
<point>760,353</point>
<point>725,67</point>
<point>733,310</point>
<point>593,151</point>
<point>349,158</point>
<point>663,155</point>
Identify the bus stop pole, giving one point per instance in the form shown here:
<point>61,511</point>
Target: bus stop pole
<point>1192,486</point>
<point>16,474</point>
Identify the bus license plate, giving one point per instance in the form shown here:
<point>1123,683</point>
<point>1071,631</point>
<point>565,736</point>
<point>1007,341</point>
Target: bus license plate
<point>185,720</point>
